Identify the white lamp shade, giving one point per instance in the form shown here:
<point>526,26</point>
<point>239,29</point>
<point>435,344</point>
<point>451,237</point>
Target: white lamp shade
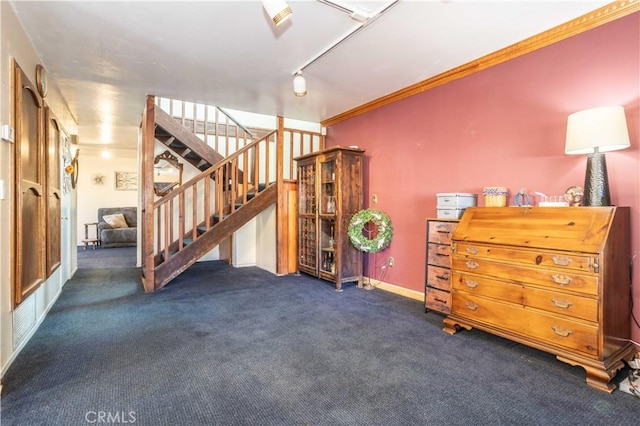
<point>597,130</point>
<point>299,85</point>
<point>278,10</point>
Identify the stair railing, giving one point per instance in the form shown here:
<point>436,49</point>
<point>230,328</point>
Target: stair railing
<point>224,133</point>
<point>184,214</point>
<point>215,126</point>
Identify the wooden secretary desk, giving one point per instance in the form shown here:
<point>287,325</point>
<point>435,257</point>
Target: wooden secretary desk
<point>554,278</point>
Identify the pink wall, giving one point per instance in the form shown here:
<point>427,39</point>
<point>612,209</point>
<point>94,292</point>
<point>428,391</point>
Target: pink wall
<point>504,126</point>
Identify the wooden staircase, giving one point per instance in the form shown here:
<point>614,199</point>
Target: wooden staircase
<point>184,225</point>
<point>184,142</point>
<point>182,253</point>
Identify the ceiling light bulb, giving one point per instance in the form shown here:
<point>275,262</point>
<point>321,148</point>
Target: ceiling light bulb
<point>106,154</point>
<point>299,85</point>
<point>278,10</point>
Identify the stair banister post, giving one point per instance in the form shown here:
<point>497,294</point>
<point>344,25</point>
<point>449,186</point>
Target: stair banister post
<point>282,266</point>
<point>146,195</point>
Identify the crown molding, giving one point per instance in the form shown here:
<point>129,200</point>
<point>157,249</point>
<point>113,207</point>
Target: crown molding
<point>586,22</point>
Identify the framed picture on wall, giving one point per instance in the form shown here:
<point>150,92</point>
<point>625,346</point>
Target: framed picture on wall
<point>126,181</point>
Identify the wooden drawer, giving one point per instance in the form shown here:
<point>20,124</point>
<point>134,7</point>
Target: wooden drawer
<point>554,280</point>
<point>585,308</point>
<point>559,331</point>
<point>441,232</point>
<point>438,300</point>
<point>439,277</point>
<point>571,261</point>
<point>439,255</point>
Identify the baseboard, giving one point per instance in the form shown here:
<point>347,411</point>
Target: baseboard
<point>391,288</point>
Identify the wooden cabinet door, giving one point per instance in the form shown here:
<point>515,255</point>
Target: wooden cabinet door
<point>30,191</point>
<point>54,192</point>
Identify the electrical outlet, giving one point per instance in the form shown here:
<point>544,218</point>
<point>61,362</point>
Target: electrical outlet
<point>390,261</point>
<point>374,198</point>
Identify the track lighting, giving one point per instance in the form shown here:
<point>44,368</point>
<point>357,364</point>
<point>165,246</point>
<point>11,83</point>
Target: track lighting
<point>365,18</point>
<point>357,14</point>
<point>299,84</point>
<point>278,10</point>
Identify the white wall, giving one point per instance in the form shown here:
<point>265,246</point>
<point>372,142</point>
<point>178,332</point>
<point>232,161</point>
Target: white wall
<point>265,240</point>
<point>255,243</point>
<point>92,195</point>
<point>17,326</point>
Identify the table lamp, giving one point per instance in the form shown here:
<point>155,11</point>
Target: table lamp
<point>593,132</point>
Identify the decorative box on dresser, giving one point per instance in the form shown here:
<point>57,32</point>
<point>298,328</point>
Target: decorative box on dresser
<point>330,192</point>
<point>437,290</point>
<point>556,279</point>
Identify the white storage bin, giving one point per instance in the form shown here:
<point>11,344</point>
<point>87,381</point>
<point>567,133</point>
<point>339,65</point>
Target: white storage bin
<point>450,213</point>
<point>455,200</point>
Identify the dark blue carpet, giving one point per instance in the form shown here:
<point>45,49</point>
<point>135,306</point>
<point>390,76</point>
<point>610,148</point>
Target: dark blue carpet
<point>227,346</point>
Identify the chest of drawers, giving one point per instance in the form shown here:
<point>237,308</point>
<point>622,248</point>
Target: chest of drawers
<point>437,296</point>
<point>557,279</point>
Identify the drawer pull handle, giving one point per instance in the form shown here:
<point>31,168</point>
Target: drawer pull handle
<point>561,279</point>
<point>471,264</point>
<point>470,283</point>
<point>442,254</point>
<point>564,304</point>
<point>562,260</point>
<point>561,331</point>
<point>442,277</point>
<point>471,306</point>
<point>440,301</point>
<point>472,250</point>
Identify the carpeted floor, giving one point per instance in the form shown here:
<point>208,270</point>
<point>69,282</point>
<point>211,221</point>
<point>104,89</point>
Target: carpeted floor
<point>112,258</point>
<point>227,346</point>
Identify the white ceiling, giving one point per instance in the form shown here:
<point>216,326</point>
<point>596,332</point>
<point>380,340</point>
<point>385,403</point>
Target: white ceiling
<point>106,56</point>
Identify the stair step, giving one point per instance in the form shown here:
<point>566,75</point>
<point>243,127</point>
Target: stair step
<point>203,165</point>
<point>185,242</point>
<point>159,132</point>
<point>216,217</point>
<point>192,156</point>
<point>176,144</point>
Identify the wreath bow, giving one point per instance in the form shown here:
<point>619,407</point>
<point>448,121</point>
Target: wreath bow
<point>364,243</point>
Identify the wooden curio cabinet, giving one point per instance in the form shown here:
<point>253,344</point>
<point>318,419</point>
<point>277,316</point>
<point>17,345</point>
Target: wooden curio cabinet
<point>329,194</point>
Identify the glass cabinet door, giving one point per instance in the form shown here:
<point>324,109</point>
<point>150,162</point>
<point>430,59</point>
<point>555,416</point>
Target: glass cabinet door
<point>307,251</point>
<point>327,246</point>
<point>328,208</point>
<point>328,187</point>
<point>307,189</point>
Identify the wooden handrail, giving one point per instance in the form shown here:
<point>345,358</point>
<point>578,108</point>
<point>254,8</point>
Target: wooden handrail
<point>172,226</point>
<point>210,170</point>
<point>244,129</point>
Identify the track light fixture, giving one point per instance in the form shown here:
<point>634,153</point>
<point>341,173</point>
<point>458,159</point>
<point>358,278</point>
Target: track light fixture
<point>299,84</point>
<point>278,10</point>
<point>357,14</point>
<point>365,18</point>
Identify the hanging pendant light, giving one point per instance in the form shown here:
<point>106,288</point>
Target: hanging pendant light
<point>299,84</point>
<point>278,10</point>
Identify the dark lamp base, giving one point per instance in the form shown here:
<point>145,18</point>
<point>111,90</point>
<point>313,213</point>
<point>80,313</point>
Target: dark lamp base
<point>596,183</point>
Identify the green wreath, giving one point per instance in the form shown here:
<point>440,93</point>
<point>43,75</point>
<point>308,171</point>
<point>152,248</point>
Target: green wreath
<point>356,227</point>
